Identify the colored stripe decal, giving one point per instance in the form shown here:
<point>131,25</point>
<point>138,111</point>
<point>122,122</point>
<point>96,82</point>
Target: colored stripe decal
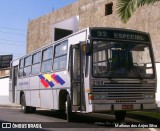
<point>59,79</point>
<point>53,76</point>
<point>48,77</point>
<point>41,77</point>
<point>47,80</point>
<point>50,83</point>
<point>44,83</point>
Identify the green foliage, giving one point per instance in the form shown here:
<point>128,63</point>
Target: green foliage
<point>126,8</point>
<point>150,114</point>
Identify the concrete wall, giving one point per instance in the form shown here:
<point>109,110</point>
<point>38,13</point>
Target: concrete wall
<point>40,30</point>
<point>158,84</point>
<point>72,24</point>
<point>92,13</point>
<point>4,91</point>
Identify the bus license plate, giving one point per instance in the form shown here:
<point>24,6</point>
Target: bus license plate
<point>127,106</point>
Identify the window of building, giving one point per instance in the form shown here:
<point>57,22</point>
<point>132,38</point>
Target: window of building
<point>61,33</point>
<point>60,56</point>
<point>108,9</point>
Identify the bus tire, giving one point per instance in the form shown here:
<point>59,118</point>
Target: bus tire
<point>24,108</point>
<point>32,109</point>
<point>120,115</point>
<point>68,109</point>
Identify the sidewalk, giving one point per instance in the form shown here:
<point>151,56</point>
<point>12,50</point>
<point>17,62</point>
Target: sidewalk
<point>10,105</point>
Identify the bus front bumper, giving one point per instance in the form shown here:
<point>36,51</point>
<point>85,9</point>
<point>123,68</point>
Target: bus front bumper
<point>118,107</point>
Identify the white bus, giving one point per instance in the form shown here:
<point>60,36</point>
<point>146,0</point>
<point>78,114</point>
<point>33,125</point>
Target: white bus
<point>93,70</point>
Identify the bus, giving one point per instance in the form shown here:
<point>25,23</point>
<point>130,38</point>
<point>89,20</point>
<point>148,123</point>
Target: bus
<point>95,70</point>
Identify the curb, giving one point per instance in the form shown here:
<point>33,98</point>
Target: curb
<point>10,105</point>
<point>143,118</point>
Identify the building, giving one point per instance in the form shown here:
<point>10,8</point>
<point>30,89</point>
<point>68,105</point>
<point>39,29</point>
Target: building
<point>4,82</point>
<point>85,13</point>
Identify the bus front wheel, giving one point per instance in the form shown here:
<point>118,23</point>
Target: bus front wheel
<point>24,108</point>
<point>32,109</point>
<point>68,109</point>
<point>120,115</point>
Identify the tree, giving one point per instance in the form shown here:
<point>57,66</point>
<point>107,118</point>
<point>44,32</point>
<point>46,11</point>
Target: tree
<point>126,8</point>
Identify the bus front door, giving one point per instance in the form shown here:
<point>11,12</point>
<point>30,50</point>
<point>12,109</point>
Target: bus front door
<point>14,82</point>
<point>77,85</point>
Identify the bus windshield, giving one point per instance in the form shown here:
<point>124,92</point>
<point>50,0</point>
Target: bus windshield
<point>122,60</point>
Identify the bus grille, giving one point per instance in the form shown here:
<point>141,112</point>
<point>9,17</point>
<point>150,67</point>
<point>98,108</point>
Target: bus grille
<point>125,91</point>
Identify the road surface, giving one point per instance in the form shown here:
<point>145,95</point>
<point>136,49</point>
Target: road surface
<point>53,120</point>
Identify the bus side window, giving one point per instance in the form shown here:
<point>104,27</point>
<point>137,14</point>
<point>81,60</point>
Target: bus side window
<point>21,65</point>
<point>27,64</point>
<point>60,56</point>
<point>47,59</point>
<point>36,63</point>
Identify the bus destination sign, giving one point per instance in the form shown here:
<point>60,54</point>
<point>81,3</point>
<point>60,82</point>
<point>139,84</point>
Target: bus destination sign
<point>5,61</point>
<point>119,35</point>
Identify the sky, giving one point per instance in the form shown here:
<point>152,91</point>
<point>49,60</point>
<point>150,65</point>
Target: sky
<point>14,17</point>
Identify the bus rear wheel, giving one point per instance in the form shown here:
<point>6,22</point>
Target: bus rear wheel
<point>120,115</point>
<point>24,108</point>
<point>68,109</point>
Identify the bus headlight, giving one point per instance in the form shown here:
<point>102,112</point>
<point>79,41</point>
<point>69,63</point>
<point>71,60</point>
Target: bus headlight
<point>148,96</point>
<point>97,96</point>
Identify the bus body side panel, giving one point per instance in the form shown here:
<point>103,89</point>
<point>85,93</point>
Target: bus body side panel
<point>87,85</point>
<point>26,88</point>
<point>46,93</point>
<point>49,95</point>
<point>82,36</point>
<point>35,93</point>
<point>19,89</point>
<point>63,84</point>
<point>56,99</point>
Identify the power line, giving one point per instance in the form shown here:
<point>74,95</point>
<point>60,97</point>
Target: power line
<point>11,33</point>
<point>12,40</point>
<point>11,28</point>
<point>11,44</point>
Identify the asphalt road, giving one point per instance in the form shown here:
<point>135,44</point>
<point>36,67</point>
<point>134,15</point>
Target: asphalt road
<point>53,120</point>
